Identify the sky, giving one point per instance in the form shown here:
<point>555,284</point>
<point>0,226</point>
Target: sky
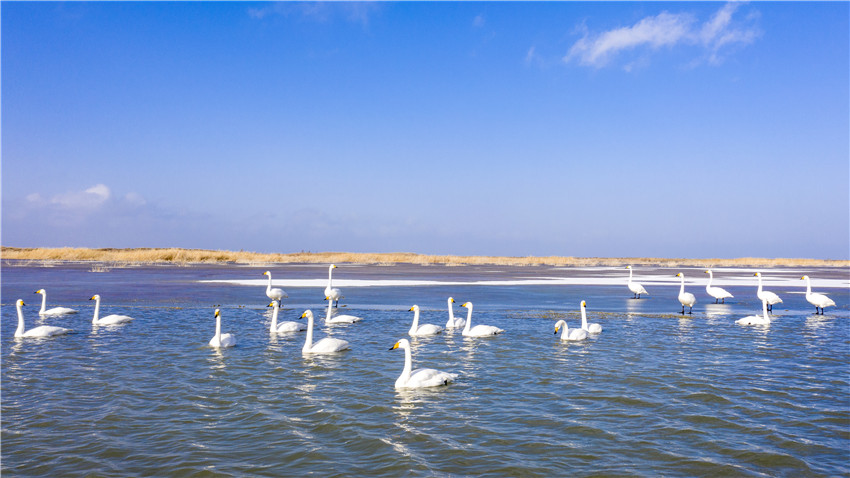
<point>600,129</point>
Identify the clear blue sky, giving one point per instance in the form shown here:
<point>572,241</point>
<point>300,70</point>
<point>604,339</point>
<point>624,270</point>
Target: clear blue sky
<point>584,129</point>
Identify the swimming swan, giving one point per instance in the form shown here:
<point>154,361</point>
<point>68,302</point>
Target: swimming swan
<point>478,330</point>
<point>112,319</point>
<point>770,297</point>
<point>763,319</point>
<point>53,311</point>
<point>40,331</point>
<point>686,298</point>
<point>339,319</point>
<point>592,328</point>
<point>817,300</point>
<point>330,292</point>
<point>219,339</point>
<point>417,330</point>
<point>573,335</point>
<point>327,345</point>
<point>274,294</point>
<point>635,287</point>
<point>716,292</point>
<point>421,377</point>
<point>284,327</point>
<point>453,323</point>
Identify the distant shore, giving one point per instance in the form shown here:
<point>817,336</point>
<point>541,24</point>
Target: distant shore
<point>201,256</point>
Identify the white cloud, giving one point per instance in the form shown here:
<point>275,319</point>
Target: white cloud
<point>478,21</point>
<point>91,198</point>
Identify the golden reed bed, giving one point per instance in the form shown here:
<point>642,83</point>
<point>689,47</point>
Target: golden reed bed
<point>200,256</point>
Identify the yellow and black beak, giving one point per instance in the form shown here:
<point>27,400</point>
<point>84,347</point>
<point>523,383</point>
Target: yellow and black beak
<point>394,346</point>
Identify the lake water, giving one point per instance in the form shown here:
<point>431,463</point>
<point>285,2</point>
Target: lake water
<point>655,393</point>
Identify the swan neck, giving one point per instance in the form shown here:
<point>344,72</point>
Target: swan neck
<point>808,286</point>
<point>218,329</point>
<point>273,327</point>
<point>415,325</point>
<point>764,310</point>
<point>330,276</point>
<point>20,330</point>
<point>583,318</point>
<point>468,319</point>
<point>408,366</point>
<point>451,314</point>
<point>96,311</point>
<point>682,288</point>
<point>330,311</point>
<point>564,330</point>
<point>43,303</point>
<point>759,291</point>
<point>308,342</point>
<point>630,275</point>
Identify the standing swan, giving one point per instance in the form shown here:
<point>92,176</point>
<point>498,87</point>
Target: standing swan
<point>716,292</point>
<point>330,292</point>
<point>283,327</point>
<point>770,297</point>
<point>421,377</point>
<point>339,319</point>
<point>417,330</point>
<point>478,330</point>
<point>274,294</point>
<point>817,300</point>
<point>219,339</point>
<point>591,328</point>
<point>111,319</point>
<point>53,311</point>
<point>686,298</point>
<point>756,319</point>
<point>453,323</point>
<point>327,345</point>
<point>40,331</point>
<point>635,287</point>
<point>570,335</point>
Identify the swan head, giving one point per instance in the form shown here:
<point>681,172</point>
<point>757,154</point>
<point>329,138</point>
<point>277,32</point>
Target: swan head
<point>40,291</point>
<point>19,302</point>
<point>583,304</point>
<point>267,273</point>
<point>451,300</point>
<point>466,304</point>
<point>332,266</point>
<point>217,313</point>
<point>307,314</point>
<point>708,271</point>
<point>274,303</point>
<point>628,267</point>
<point>804,277</point>
<point>679,275</point>
<point>414,308</point>
<point>558,325</point>
<point>401,344</point>
<point>757,274</point>
<point>95,297</point>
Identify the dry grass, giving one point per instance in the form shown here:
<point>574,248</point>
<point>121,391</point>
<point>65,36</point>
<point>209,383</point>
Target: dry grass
<point>119,257</point>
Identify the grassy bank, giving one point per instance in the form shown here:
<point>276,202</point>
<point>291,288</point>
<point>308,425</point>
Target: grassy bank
<point>200,256</point>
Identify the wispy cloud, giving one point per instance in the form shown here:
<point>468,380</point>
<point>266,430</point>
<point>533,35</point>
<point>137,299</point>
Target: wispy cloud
<point>320,12</point>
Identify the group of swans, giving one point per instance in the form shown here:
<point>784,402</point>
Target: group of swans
<point>49,330</point>
<point>40,331</point>
<point>573,335</point>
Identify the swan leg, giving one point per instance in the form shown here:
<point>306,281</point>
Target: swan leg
<point>683,310</point>
<point>690,310</point>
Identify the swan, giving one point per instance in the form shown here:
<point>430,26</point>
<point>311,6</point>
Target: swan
<point>53,311</point>
<point>284,327</point>
<point>421,377</point>
<point>756,319</point>
<point>635,287</point>
<point>417,330</point>
<point>453,323</point>
<point>40,331</point>
<point>219,339</point>
<point>716,292</point>
<point>686,298</point>
<point>339,319</point>
<point>770,297</point>
<point>327,345</point>
<point>591,328</point>
<point>274,294</point>
<point>330,292</point>
<point>112,319</point>
<point>570,335</point>
<point>478,330</point>
<point>817,300</point>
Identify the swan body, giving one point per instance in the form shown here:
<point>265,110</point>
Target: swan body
<point>221,340</point>
<point>589,327</point>
<point>766,295</point>
<point>817,300</point>
<point>421,377</point>
<point>40,331</point>
<point>339,319</point>
<point>573,335</point>
<point>453,323</point>
<point>283,327</point>
<point>716,292</point>
<point>55,310</point>
<point>330,292</point>
<point>274,293</point>
<point>635,287</point>
<point>478,330</point>
<point>112,319</point>
<point>417,330</point>
<point>763,319</point>
<point>685,298</point>
<point>327,345</point>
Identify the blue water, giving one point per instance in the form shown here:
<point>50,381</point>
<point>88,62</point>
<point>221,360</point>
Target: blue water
<point>654,394</point>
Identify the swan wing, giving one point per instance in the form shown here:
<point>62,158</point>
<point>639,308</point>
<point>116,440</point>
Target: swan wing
<point>45,331</point>
<point>428,377</point>
<point>343,319</point>
<point>58,311</point>
<point>428,329</point>
<point>290,327</point>
<point>328,345</point>
<point>594,328</point>
<point>483,331</point>
<point>114,319</point>
<point>228,340</point>
<point>820,300</point>
<point>770,297</point>
<point>687,299</point>
<point>576,334</point>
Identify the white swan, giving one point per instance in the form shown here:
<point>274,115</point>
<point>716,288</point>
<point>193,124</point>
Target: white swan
<point>283,327</point>
<point>330,292</point>
<point>817,300</point>
<point>274,294</point>
<point>417,330</point>
<point>339,319</point>
<point>766,295</point>
<point>636,288</point>
<point>41,331</point>
<point>716,292</point>
<point>112,319</point>
<point>590,327</point>
<point>327,345</point>
<point>570,335</point>
<point>453,323</point>
<point>219,339</point>
<point>421,377</point>
<point>54,311</point>
<point>478,330</point>
<point>756,319</point>
<point>686,298</point>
